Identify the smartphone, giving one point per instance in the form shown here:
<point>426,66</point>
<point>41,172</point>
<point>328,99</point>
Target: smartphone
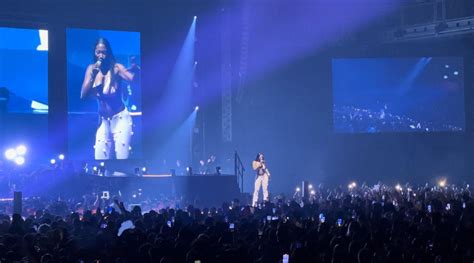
<point>269,218</point>
<point>322,218</point>
<point>103,226</point>
<point>105,195</point>
<point>231,226</point>
<point>448,206</point>
<point>274,218</point>
<point>168,223</point>
<point>429,208</point>
<point>339,222</point>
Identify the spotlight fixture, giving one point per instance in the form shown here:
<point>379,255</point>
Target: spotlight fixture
<point>16,154</point>
<point>21,150</point>
<point>61,157</point>
<point>53,161</point>
<point>10,154</point>
<point>20,160</point>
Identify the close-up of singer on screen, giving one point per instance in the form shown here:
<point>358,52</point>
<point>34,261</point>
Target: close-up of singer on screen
<point>102,81</point>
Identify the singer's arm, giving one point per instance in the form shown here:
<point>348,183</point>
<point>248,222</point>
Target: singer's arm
<point>124,73</point>
<point>256,165</point>
<point>88,82</point>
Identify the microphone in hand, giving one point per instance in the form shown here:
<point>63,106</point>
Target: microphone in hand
<point>96,67</point>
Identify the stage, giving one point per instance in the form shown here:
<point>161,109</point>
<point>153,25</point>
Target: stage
<point>204,190</point>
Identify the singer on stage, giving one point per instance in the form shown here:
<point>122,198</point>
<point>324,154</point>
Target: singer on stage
<point>261,179</point>
<point>103,81</point>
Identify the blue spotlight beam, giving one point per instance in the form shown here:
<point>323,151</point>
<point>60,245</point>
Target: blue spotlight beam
<point>177,97</point>
<point>178,146</point>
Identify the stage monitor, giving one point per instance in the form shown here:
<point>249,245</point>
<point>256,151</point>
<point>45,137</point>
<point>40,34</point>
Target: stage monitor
<point>104,94</point>
<point>417,94</point>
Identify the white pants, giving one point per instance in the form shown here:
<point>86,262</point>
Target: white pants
<point>260,181</point>
<point>114,133</point>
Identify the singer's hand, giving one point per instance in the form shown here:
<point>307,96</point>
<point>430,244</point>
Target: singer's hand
<point>96,67</point>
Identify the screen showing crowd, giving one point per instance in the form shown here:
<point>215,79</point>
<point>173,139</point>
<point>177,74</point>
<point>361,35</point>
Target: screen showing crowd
<point>422,94</point>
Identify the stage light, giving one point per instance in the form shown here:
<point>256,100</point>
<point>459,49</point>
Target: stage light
<point>442,183</point>
<point>195,17</point>
<point>446,66</point>
<point>10,154</point>
<point>195,63</point>
<point>445,77</point>
<point>52,161</point>
<point>313,192</point>
<point>95,168</point>
<point>398,187</point>
<point>102,164</point>
<point>456,73</point>
<point>61,157</point>
<point>20,160</point>
<point>196,108</point>
<point>310,186</point>
<point>297,189</point>
<point>21,150</point>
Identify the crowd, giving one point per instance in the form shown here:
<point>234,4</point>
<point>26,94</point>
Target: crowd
<point>360,224</point>
<point>352,119</point>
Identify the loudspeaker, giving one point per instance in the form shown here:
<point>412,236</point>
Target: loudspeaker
<point>17,203</point>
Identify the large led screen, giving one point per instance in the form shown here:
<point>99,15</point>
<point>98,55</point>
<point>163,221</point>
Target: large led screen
<point>24,70</point>
<point>422,94</point>
<point>104,94</point>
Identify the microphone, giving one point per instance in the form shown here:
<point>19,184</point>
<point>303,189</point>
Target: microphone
<point>98,63</point>
<point>96,68</point>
